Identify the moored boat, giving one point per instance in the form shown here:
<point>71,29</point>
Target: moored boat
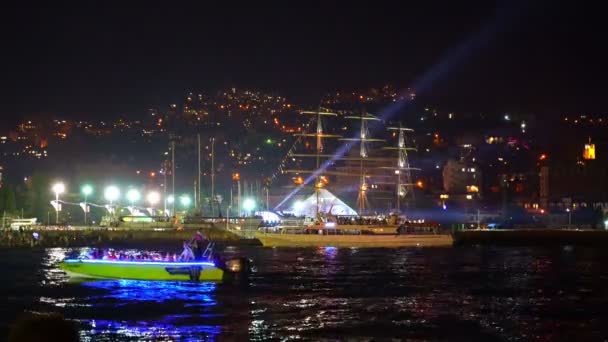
<point>354,240</point>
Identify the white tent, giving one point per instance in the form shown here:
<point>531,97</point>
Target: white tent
<point>327,202</point>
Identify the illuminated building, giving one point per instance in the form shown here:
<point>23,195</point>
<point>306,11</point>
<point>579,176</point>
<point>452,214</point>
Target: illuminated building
<point>589,152</point>
<point>460,177</point>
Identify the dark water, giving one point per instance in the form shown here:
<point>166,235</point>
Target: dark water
<point>469,293</point>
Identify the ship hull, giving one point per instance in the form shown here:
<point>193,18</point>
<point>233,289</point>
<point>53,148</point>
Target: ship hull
<point>101,269</point>
<point>362,241</point>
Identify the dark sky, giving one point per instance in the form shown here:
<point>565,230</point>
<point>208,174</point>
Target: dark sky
<point>100,58</point>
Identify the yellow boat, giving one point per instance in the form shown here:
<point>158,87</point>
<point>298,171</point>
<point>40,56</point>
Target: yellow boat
<point>354,240</point>
<point>154,270</point>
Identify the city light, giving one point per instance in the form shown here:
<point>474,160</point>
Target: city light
<point>58,188</point>
<point>153,198</point>
<point>133,195</point>
<point>185,201</point>
<point>589,152</point>
<point>87,189</point>
<point>472,188</point>
<point>249,204</point>
<point>111,193</point>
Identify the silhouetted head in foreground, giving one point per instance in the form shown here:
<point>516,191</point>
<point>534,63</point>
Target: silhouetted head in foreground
<point>42,328</point>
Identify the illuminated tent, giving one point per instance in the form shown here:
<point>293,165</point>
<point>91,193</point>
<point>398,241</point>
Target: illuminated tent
<point>268,216</point>
<point>327,202</point>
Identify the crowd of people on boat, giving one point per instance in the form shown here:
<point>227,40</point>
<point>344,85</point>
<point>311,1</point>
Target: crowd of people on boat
<point>418,227</point>
<point>358,220</point>
<point>192,251</point>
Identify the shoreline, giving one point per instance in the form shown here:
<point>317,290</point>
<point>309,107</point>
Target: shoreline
<point>142,237</point>
<point>105,237</point>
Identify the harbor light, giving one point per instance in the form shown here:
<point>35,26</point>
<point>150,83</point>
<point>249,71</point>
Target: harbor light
<point>249,204</point>
<point>133,195</point>
<point>185,201</point>
<point>111,193</point>
<point>87,189</point>
<point>58,188</point>
<point>153,198</point>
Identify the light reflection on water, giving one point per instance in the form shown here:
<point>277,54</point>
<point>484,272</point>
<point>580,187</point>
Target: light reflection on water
<point>154,291</point>
<point>148,330</point>
<point>150,310</point>
<point>472,293</point>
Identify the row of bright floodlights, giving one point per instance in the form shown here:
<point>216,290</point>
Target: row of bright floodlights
<point>112,194</point>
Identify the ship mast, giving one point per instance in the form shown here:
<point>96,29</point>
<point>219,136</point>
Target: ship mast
<point>405,185</point>
<point>319,135</point>
<point>363,140</point>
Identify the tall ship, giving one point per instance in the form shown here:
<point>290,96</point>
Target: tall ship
<point>359,165</point>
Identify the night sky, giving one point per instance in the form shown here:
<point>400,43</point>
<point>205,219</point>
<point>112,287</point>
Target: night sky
<point>103,59</point>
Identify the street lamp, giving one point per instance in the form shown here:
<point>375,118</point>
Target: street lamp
<point>185,201</point>
<point>249,204</point>
<point>58,188</point>
<point>87,189</point>
<point>170,200</point>
<point>153,198</point>
<point>133,196</point>
<point>111,194</point>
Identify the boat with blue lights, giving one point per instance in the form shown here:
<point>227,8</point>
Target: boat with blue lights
<point>155,269</point>
<point>142,270</point>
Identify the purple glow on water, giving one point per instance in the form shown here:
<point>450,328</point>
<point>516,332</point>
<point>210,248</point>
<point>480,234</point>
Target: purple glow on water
<point>155,291</point>
<point>165,329</point>
<point>182,311</point>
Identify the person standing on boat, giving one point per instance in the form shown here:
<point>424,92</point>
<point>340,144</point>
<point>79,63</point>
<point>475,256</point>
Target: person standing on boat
<point>187,254</point>
<point>200,242</point>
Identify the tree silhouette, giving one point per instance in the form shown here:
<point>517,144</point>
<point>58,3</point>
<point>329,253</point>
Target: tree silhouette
<point>38,196</point>
<point>8,203</point>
